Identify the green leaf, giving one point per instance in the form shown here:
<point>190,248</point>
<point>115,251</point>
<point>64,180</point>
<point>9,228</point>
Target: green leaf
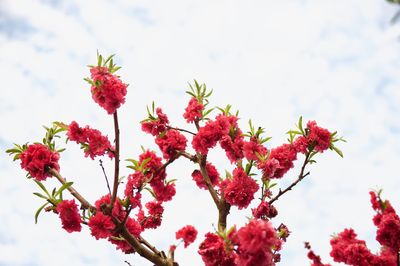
<point>42,187</point>
<point>40,195</point>
<point>63,187</point>
<point>338,151</point>
<point>38,211</point>
<point>300,125</point>
<point>151,192</point>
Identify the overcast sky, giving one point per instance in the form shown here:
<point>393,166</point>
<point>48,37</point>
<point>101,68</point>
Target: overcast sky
<point>336,62</point>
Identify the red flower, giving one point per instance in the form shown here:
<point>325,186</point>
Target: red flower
<point>212,174</point>
<point>100,225</point>
<point>109,91</point>
<point>69,215</point>
<point>154,219</point>
<point>316,138</point>
<point>279,161</point>
<point>214,253</point>
<point>252,148</point>
<point>157,125</point>
<point>193,110</point>
<point>94,143</point>
<point>256,242</point>
<point>163,192</point>
<point>233,145</point>
<point>388,233</point>
<point>117,210</point>
<point>188,234</point>
<point>264,211</point>
<point>240,190</point>
<point>37,159</point>
<point>171,143</point>
<point>209,135</point>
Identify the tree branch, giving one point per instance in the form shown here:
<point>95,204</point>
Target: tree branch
<point>181,129</point>
<point>214,195</point>
<point>85,204</point>
<point>301,177</point>
<point>116,167</point>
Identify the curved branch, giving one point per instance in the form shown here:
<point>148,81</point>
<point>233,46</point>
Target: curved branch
<point>85,204</point>
<point>301,177</point>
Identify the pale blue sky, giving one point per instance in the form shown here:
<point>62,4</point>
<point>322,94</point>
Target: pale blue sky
<point>336,62</point>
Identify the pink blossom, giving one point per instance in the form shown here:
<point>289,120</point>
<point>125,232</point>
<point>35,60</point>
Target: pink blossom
<point>193,110</point>
<point>109,91</point>
<point>240,190</point>
<point>69,215</point>
<point>37,159</point>
<point>212,174</point>
<point>188,234</point>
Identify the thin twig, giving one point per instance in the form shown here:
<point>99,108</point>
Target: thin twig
<point>127,262</point>
<point>116,158</point>
<point>301,177</point>
<point>181,129</point>
<point>105,176</point>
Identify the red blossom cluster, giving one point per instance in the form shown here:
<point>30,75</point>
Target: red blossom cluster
<point>352,251</point>
<point>212,173</point>
<point>92,141</point>
<point>155,125</point>
<point>37,159</point>
<point>107,89</point>
<point>240,190</point>
<point>188,235</point>
<point>212,132</point>
<point>316,259</point>
<point>256,243</point>
<point>69,215</point>
<point>102,225</point>
<point>316,138</point>
<point>264,211</point>
<point>193,110</point>
<point>170,143</point>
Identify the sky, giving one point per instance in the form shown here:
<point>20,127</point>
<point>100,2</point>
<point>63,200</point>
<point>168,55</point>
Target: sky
<point>336,62</point>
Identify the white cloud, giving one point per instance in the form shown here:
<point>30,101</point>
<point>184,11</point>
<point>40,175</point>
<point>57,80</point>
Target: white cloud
<point>335,62</point>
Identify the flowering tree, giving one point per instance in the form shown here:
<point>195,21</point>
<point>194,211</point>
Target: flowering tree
<point>121,218</point>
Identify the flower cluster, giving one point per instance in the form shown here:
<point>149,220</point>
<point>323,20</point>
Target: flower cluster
<point>193,110</point>
<point>188,234</point>
<point>212,173</point>
<point>256,243</point>
<point>37,159</point>
<point>240,190</point>
<point>264,211</point>
<point>154,217</point>
<point>155,125</point>
<point>92,141</point>
<point>214,251</point>
<point>352,251</point>
<point>102,225</point>
<point>316,259</point>
<point>69,215</point>
<point>387,222</point>
<point>170,143</point>
<point>212,132</point>
<point>279,162</point>
<point>107,89</point>
<point>315,138</point>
